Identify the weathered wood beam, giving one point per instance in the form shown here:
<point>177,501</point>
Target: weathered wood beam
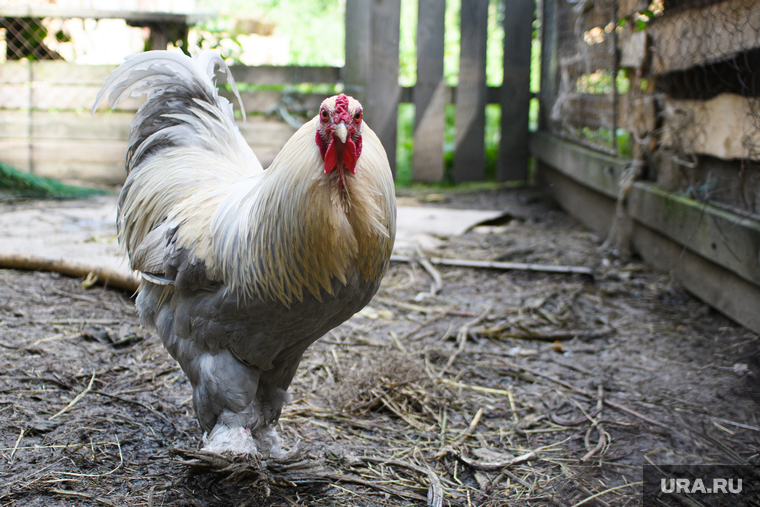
<point>493,94</point>
<point>725,238</point>
<point>278,75</point>
<point>721,127</point>
<point>383,90</point>
<point>58,97</point>
<point>132,17</point>
<point>593,169</point>
<point>717,286</point>
<point>469,154</point>
<point>549,61</point>
<point>515,91</point>
<point>57,72</point>
<point>65,73</point>
<point>358,39</point>
<point>429,93</point>
<point>264,101</point>
<point>713,252</point>
<point>69,145</point>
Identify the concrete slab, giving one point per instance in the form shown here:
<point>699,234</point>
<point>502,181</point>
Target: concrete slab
<point>85,231</point>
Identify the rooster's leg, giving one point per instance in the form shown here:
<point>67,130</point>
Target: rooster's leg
<point>225,401</point>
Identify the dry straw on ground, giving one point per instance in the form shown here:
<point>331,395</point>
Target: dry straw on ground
<point>497,388</point>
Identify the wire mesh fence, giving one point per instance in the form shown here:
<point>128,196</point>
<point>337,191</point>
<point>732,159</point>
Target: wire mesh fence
<point>47,87</point>
<point>76,39</point>
<point>53,61</point>
<point>671,83</point>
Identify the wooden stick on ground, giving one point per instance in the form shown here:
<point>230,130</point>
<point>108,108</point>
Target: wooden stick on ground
<point>459,441</point>
<point>520,266</point>
<point>495,465</point>
<point>113,277</point>
<point>437,284</point>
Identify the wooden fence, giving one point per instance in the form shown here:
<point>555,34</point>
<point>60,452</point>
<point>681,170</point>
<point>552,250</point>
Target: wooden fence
<point>46,128</point>
<point>682,84</point>
<point>371,73</point>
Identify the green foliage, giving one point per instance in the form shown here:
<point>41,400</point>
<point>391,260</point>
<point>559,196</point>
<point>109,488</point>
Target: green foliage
<point>15,183</point>
<point>622,81</point>
<point>535,63</point>
<point>624,143</point>
<point>533,115</point>
<point>407,53</point>
<point>404,144</point>
<point>495,43</point>
<point>449,142</point>
<point>603,137</point>
<point>600,82</point>
<point>451,39</point>
<point>315,29</point>
<point>493,137</point>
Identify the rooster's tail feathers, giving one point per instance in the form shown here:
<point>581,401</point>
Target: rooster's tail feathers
<point>158,71</point>
<point>182,102</point>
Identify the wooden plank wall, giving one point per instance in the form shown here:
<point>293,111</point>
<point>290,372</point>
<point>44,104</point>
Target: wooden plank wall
<point>46,127</point>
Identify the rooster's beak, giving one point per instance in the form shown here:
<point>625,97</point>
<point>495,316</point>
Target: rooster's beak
<point>342,132</point>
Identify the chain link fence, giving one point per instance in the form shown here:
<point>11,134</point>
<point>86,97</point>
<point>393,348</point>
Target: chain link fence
<point>52,64</point>
<point>673,84</point>
<point>84,40</point>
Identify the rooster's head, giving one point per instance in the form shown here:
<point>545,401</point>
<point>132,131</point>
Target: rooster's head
<point>339,132</point>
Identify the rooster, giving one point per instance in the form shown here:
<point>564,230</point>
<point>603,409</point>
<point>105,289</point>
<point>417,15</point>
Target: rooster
<point>244,268</point>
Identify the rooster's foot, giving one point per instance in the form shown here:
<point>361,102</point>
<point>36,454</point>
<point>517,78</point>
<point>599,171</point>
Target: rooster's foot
<point>226,440</point>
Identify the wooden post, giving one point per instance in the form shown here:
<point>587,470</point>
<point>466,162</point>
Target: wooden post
<point>549,62</point>
<point>158,38</point>
<point>429,93</point>
<point>469,154</point>
<point>356,70</point>
<point>383,90</point>
<point>515,91</point>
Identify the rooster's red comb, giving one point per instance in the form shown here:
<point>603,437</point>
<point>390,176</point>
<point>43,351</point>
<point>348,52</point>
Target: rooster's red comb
<point>341,107</point>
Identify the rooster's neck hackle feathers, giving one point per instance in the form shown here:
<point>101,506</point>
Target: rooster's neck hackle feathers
<point>194,185</point>
<point>297,229</point>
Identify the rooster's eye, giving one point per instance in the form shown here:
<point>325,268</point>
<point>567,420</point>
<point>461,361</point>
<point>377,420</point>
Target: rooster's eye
<point>358,116</point>
<point>323,114</point>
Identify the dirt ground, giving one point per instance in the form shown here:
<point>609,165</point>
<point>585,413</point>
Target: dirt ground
<point>506,387</point>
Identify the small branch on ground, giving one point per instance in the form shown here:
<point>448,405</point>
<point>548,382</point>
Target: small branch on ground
<point>509,266</point>
<point>73,269</point>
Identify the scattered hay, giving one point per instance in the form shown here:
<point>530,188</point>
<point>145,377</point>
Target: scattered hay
<point>512,388</point>
<point>396,383</point>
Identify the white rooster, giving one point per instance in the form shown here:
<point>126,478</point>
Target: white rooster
<point>244,268</point>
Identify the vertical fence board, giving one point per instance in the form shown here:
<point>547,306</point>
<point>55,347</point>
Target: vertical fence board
<point>429,93</point>
<point>515,91</point>
<point>549,62</point>
<point>356,69</point>
<point>383,90</point>
<point>469,157</point>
